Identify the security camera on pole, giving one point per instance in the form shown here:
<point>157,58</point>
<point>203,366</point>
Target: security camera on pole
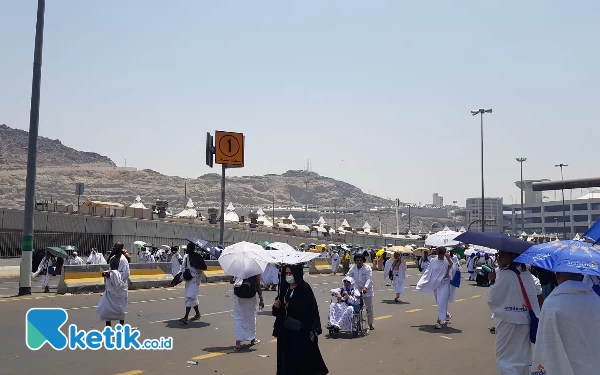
<point>228,150</point>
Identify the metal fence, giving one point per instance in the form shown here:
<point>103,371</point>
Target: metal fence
<point>10,242</point>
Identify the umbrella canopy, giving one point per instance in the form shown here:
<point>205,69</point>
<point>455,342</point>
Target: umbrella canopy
<point>244,259</point>
<point>165,247</point>
<point>289,256</point>
<point>57,252</point>
<point>264,244</point>
<point>593,233</point>
<point>495,240</point>
<point>442,238</point>
<point>379,252</point>
<point>282,246</point>
<point>205,246</point>
<point>139,243</point>
<point>69,248</point>
<point>564,256</point>
<point>401,249</point>
<point>419,251</point>
<point>471,251</point>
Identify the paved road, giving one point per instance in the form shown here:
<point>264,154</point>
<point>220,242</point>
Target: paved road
<point>404,341</point>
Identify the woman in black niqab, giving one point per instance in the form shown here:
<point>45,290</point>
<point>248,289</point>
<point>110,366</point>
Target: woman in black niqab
<point>297,351</point>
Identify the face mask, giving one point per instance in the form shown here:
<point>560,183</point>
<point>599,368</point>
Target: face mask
<point>289,279</point>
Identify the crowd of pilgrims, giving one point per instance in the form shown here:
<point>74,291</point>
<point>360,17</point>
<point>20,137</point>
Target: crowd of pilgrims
<point>555,313</point>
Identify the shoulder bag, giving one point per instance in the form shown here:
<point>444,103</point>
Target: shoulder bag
<point>290,323</point>
<point>533,326</point>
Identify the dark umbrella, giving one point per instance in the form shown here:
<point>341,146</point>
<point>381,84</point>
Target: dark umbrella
<point>495,240</point>
<point>58,252</point>
<point>205,246</point>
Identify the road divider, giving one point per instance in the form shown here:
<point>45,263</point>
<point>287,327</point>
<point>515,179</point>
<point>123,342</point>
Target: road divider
<point>214,272</point>
<point>320,266</point>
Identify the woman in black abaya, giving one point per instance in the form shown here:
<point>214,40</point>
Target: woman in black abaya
<point>297,326</point>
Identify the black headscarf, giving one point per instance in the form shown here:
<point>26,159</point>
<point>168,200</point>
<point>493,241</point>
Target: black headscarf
<point>297,271</point>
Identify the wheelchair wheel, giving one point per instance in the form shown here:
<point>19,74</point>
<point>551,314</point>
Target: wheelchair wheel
<point>355,325</point>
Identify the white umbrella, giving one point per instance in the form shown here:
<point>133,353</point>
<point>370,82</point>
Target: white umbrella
<point>165,247</point>
<point>289,257</point>
<point>243,260</point>
<point>282,246</point>
<point>141,243</point>
<point>442,238</point>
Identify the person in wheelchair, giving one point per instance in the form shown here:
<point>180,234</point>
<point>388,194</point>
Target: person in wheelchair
<point>341,311</point>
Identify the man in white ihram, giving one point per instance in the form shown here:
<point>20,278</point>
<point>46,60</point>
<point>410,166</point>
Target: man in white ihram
<point>436,279</point>
<point>363,278</point>
<point>176,261</point>
<point>75,260</point>
<point>96,257</point>
<point>568,329</point>
<point>335,262</point>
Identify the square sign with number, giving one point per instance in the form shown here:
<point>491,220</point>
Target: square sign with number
<point>229,148</point>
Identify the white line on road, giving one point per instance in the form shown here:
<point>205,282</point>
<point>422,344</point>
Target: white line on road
<point>446,337</point>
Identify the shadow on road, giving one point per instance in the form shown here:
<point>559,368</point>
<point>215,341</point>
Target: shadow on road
<point>175,323</point>
<point>392,302</point>
<point>431,329</point>
<point>230,349</point>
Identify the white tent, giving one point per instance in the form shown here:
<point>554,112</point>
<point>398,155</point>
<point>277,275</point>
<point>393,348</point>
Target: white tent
<point>366,227</point>
<point>230,215</point>
<point>302,228</point>
<point>265,221</point>
<point>260,212</point>
<point>321,221</point>
<point>189,212</point>
<point>291,218</point>
<point>138,203</point>
<point>461,230</point>
<point>345,223</point>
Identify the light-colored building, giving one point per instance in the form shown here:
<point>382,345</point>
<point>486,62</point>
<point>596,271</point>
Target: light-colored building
<point>547,217</point>
<point>438,200</point>
<point>494,210</point>
<point>530,196</point>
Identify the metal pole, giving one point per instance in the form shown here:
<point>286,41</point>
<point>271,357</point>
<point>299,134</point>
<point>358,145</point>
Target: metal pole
<point>335,216</point>
<point>482,184</point>
<point>397,224</point>
<point>563,204</point>
<point>34,117</point>
<point>522,160</point>
<point>306,203</point>
<point>222,229</point>
<point>409,218</point>
<point>273,209</point>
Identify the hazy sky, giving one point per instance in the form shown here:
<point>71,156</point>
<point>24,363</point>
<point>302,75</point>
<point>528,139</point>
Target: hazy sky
<point>375,93</point>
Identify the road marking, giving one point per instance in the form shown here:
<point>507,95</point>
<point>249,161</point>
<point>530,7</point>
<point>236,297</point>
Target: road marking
<point>433,305</point>
<point>413,310</point>
<point>460,300</point>
<point>446,337</point>
<point>132,372</point>
<point>477,296</point>
<point>74,308</point>
<point>274,340</point>
<point>383,317</point>
<point>212,355</point>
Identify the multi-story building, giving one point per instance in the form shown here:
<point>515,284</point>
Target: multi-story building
<point>493,214</point>
<point>438,200</point>
<point>547,217</point>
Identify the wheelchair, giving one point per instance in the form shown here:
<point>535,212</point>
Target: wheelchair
<point>359,321</point>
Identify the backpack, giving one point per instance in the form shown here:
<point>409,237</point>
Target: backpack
<point>247,289</point>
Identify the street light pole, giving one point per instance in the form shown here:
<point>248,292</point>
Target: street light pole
<point>34,120</point>
<point>522,160</point>
<point>562,178</point>
<point>481,111</point>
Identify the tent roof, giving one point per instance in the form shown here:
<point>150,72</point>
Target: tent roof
<point>230,207</point>
<point>189,204</point>
<point>138,203</point>
<point>345,223</point>
<point>321,221</point>
<point>291,218</point>
<point>260,212</point>
<point>189,213</point>
<point>231,217</point>
<point>366,226</point>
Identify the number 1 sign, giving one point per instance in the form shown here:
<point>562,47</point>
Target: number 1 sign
<point>229,148</point>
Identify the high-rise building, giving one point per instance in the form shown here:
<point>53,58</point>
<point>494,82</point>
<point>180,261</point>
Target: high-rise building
<point>530,196</point>
<point>438,200</point>
<point>493,214</point>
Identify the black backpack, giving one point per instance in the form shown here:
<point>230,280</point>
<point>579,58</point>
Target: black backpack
<point>247,289</point>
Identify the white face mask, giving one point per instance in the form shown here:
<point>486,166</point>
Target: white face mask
<point>289,279</point>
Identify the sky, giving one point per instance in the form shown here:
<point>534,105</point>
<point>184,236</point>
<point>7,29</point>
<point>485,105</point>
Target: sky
<point>377,93</point>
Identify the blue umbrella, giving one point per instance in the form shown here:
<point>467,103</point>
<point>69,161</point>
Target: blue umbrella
<point>594,232</point>
<point>206,246</point>
<point>564,256</point>
<point>495,240</point>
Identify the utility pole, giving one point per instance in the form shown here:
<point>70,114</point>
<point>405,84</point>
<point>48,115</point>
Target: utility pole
<point>306,203</point>
<point>34,119</point>
<point>521,160</point>
<point>481,111</point>
<point>222,224</point>
<point>562,178</point>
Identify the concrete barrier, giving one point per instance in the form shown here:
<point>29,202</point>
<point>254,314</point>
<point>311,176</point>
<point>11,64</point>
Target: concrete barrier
<point>214,273</point>
<point>81,279</point>
<point>149,275</point>
<point>320,265</point>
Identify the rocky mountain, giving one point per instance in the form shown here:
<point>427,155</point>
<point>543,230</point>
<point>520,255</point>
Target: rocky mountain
<point>61,167</point>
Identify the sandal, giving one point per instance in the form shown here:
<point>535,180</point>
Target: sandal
<point>438,326</point>
<point>255,342</point>
<point>183,320</point>
<point>194,318</point>
<point>448,316</point>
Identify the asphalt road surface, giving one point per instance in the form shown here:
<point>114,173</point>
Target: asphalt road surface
<point>403,342</point>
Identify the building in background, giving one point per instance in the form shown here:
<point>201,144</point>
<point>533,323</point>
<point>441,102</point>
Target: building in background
<point>494,214</point>
<point>530,196</point>
<point>438,200</point>
<point>547,217</point>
